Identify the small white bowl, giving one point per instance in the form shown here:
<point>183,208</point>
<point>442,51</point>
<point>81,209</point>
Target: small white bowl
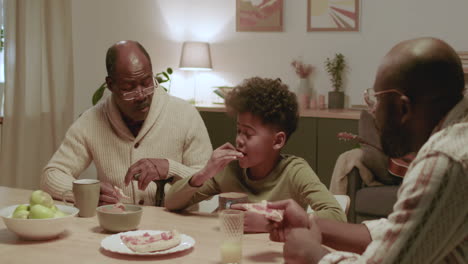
<point>38,229</point>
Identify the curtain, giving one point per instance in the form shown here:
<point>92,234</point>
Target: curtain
<point>38,87</point>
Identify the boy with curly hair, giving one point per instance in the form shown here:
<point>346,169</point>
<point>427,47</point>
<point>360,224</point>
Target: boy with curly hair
<point>267,116</point>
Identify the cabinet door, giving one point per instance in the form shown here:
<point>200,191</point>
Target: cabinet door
<point>221,128</point>
<point>329,147</point>
<point>303,143</point>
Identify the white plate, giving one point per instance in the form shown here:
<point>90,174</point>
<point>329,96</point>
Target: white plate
<point>113,243</point>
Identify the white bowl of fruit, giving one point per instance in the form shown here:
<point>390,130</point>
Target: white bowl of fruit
<point>41,219</point>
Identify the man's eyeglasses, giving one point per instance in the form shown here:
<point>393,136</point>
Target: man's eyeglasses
<point>370,96</point>
<point>132,95</point>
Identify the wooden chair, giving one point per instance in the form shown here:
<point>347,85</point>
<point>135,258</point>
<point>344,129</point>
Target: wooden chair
<point>464,58</point>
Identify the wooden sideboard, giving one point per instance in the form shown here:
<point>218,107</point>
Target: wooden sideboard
<point>314,140</point>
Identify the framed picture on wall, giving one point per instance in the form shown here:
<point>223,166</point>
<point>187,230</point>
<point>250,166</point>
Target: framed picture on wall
<point>259,15</point>
<point>332,15</point>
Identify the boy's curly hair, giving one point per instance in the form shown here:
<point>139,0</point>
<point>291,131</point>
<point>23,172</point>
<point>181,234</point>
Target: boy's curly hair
<point>268,99</point>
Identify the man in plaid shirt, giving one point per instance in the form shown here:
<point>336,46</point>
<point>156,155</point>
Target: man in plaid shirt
<point>418,105</point>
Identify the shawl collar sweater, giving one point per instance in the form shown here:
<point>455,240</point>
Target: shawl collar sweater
<point>173,130</point>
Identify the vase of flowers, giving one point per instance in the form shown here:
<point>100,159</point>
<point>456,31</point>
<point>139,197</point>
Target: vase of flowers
<point>304,91</point>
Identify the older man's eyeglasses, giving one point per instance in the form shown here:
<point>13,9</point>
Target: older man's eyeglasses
<point>370,96</point>
<point>132,95</point>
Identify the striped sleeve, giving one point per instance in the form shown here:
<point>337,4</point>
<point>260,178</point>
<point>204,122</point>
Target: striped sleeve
<point>430,212</point>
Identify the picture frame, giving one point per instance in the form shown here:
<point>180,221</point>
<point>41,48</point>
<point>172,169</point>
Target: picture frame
<point>333,15</point>
<point>259,15</point>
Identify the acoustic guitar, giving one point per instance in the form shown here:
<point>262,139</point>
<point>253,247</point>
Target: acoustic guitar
<point>396,166</point>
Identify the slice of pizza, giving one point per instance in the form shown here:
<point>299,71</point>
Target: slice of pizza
<point>149,243</point>
<point>262,208</point>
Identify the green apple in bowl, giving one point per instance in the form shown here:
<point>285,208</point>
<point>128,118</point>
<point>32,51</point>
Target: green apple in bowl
<point>38,229</point>
<point>21,211</point>
<point>42,198</point>
<point>39,211</point>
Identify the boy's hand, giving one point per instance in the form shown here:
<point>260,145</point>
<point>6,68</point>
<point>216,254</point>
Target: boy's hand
<point>222,156</point>
<point>253,222</point>
<point>219,159</point>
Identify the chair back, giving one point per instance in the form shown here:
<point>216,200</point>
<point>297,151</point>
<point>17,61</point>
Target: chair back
<point>209,205</point>
<point>344,202</point>
<point>342,199</point>
<point>464,59</point>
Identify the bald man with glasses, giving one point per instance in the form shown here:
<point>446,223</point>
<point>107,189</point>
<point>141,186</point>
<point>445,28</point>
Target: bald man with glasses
<point>139,138</point>
<point>419,106</point>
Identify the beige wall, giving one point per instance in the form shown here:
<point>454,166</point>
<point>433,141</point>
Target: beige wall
<point>162,25</point>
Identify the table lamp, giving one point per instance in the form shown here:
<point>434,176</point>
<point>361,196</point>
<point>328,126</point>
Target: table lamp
<point>195,57</point>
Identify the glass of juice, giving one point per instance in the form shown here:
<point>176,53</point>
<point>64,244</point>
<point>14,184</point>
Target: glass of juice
<point>232,230</point>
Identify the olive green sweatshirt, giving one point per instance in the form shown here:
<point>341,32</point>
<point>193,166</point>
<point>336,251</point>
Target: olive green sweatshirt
<point>291,178</point>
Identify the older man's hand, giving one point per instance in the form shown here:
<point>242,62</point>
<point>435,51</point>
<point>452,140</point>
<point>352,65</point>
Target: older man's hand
<point>108,194</point>
<point>294,217</point>
<point>147,170</point>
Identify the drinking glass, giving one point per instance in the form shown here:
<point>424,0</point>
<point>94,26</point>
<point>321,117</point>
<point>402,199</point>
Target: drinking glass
<point>232,230</point>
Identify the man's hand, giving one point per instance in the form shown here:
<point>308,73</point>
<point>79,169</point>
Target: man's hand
<point>218,161</point>
<point>146,171</point>
<point>108,194</point>
<point>253,222</point>
<point>303,245</point>
<point>294,217</point>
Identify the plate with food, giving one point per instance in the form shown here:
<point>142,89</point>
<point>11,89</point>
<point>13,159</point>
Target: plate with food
<point>147,242</point>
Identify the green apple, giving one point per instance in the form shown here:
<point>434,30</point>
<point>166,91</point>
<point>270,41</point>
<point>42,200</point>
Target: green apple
<point>59,214</point>
<point>39,211</point>
<point>42,198</point>
<point>54,208</point>
<point>21,211</point>
<point>22,207</point>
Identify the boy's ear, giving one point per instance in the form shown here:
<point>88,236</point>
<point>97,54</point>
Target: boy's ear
<point>280,140</point>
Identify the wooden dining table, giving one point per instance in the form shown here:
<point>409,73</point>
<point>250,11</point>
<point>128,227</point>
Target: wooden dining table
<point>80,243</point>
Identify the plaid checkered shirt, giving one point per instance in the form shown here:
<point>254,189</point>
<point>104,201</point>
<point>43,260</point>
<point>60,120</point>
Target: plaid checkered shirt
<point>429,222</point>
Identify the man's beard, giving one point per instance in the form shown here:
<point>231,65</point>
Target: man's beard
<point>394,139</point>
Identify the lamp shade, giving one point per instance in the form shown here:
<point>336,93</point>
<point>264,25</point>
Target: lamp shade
<point>195,56</point>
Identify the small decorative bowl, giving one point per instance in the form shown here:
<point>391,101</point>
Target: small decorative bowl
<point>115,221</point>
<point>38,229</point>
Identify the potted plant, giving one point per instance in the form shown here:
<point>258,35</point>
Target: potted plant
<point>335,68</point>
<point>161,77</point>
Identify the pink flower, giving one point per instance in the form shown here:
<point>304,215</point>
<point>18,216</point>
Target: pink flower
<point>302,70</point>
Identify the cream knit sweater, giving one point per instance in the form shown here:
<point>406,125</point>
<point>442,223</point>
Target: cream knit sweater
<point>173,130</point>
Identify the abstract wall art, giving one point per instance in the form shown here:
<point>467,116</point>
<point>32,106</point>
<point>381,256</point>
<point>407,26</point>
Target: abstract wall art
<point>332,15</point>
<point>259,15</point>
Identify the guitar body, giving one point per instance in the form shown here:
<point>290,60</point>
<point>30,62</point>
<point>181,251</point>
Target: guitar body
<point>397,167</point>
